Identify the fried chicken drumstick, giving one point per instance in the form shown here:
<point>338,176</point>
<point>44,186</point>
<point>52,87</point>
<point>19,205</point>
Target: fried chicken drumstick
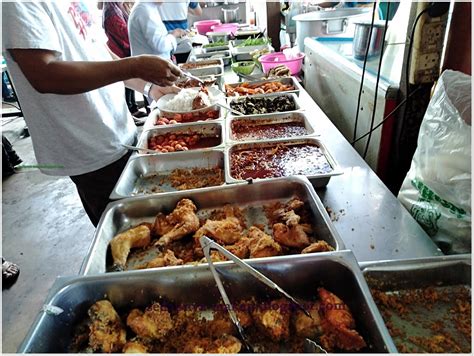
<point>139,236</point>
<point>181,222</point>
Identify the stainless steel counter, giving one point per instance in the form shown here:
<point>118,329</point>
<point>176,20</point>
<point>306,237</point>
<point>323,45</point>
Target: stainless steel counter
<point>369,218</point>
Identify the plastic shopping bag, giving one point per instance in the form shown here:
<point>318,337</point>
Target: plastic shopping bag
<point>437,188</point>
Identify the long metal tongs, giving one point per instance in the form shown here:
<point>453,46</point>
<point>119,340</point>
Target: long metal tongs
<point>207,244</point>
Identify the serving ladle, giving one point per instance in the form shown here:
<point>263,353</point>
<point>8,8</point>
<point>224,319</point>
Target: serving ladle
<point>236,112</point>
<point>207,244</point>
<point>135,148</point>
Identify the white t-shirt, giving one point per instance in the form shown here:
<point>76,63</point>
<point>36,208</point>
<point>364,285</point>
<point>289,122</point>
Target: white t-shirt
<point>147,33</point>
<point>71,134</point>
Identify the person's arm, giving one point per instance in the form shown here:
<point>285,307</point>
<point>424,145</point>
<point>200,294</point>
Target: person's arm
<point>47,74</point>
<point>194,9</point>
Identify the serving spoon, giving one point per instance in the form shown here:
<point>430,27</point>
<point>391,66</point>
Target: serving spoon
<point>135,148</point>
<point>236,112</point>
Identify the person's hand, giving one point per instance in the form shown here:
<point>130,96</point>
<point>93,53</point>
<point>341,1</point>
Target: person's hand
<point>178,33</point>
<point>155,69</point>
<point>157,92</point>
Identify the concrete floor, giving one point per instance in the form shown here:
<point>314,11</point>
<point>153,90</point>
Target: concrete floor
<point>44,230</point>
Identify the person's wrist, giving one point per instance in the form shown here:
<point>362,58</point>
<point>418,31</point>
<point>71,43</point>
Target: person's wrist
<point>147,91</point>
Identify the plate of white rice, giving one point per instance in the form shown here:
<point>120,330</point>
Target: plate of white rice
<point>182,102</point>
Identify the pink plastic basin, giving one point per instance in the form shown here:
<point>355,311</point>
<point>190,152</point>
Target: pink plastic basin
<point>272,60</point>
<point>226,27</point>
<point>204,27</point>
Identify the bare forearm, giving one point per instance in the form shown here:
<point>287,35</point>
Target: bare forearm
<point>80,77</point>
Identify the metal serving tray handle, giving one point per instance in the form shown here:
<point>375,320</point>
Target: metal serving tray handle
<point>285,81</point>
<point>280,117</point>
<point>123,214</point>
<point>198,127</point>
<point>319,180</point>
<point>142,165</point>
<point>336,271</point>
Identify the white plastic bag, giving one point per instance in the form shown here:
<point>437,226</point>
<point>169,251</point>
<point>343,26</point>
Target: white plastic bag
<point>437,188</point>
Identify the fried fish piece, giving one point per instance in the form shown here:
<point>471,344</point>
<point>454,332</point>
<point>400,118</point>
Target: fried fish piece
<point>273,319</point>
<point>226,232</point>
<point>106,332</point>
<point>262,244</point>
<point>318,246</point>
<point>134,347</point>
<point>121,244</point>
<point>305,326</point>
<point>155,323</point>
<point>338,324</point>
<point>181,222</point>
<point>168,259</point>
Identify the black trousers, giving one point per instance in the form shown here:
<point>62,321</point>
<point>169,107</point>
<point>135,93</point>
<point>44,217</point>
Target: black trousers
<point>94,188</point>
<point>130,98</point>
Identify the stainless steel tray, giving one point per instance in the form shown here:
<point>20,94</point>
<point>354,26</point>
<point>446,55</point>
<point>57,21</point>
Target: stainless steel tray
<point>198,127</point>
<point>142,166</point>
<point>150,121</point>
<point>226,59</point>
<point>319,180</point>
<point>440,272</point>
<point>123,214</point>
<point>266,119</point>
<point>215,70</point>
<point>285,81</point>
<point>293,97</point>
<point>336,271</point>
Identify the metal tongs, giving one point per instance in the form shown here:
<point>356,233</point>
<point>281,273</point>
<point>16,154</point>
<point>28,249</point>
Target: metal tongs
<point>207,244</point>
<point>189,75</point>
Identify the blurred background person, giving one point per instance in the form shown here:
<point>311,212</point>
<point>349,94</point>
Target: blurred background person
<point>175,15</point>
<point>115,23</point>
<point>148,33</point>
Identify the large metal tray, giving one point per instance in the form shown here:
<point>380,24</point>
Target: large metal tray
<point>285,81</point>
<point>266,119</point>
<point>293,97</point>
<point>440,272</point>
<point>318,180</point>
<point>144,165</point>
<point>123,214</point>
<point>215,70</point>
<point>198,127</point>
<point>150,121</point>
<point>336,271</point>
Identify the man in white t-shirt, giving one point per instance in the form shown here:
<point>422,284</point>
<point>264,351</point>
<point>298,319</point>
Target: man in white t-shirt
<point>147,32</point>
<point>71,94</point>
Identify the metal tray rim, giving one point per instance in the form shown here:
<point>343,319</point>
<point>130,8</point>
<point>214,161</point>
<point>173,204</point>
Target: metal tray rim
<point>415,263</point>
<point>231,119</point>
<point>116,196</point>
<point>344,257</point>
<point>336,168</point>
<point>142,141</point>
<point>298,179</point>
<point>293,81</point>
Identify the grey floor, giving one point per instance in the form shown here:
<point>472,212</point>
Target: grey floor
<point>44,230</point>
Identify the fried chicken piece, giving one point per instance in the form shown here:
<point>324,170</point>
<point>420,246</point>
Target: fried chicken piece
<point>121,244</point>
<point>215,257</point>
<point>226,344</point>
<point>168,259</point>
<point>181,222</point>
<point>106,332</point>
<point>134,347</point>
<point>293,204</point>
<point>273,319</point>
<point>318,246</point>
<point>338,324</point>
<point>262,244</point>
<point>226,232</point>
<point>291,234</point>
<point>155,323</point>
<point>305,326</point>
<point>240,248</point>
<point>222,324</point>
